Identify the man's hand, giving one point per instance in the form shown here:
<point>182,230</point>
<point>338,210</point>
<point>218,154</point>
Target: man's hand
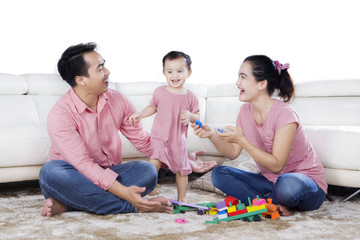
<point>132,194</point>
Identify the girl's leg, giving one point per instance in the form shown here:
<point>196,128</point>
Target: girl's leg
<point>181,184</point>
<point>241,184</point>
<point>296,190</point>
<point>157,165</point>
<point>61,181</point>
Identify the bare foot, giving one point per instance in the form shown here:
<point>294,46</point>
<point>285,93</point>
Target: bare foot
<point>283,211</point>
<point>164,206</point>
<point>155,191</point>
<point>52,207</point>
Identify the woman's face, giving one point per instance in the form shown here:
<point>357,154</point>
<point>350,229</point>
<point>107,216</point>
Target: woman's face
<point>249,87</point>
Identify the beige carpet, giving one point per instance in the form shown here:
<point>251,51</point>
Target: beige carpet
<point>20,207</point>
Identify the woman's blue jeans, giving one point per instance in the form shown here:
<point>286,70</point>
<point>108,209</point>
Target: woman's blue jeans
<point>60,180</point>
<point>292,190</point>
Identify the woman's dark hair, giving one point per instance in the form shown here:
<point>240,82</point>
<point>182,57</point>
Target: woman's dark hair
<point>175,55</point>
<point>72,63</point>
<point>263,68</point>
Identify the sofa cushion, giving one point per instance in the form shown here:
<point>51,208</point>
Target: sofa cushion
<point>12,84</point>
<point>328,88</point>
<point>23,145</point>
<point>18,110</point>
<point>336,146</point>
<point>328,111</point>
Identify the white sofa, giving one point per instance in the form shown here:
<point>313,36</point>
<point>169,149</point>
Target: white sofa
<point>329,110</point>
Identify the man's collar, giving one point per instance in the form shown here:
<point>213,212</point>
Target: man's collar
<point>81,106</point>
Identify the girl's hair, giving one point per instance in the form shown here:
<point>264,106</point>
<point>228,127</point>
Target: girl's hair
<point>277,76</point>
<point>175,55</point>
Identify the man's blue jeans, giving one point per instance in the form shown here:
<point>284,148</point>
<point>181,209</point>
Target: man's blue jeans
<point>292,190</point>
<point>61,181</point>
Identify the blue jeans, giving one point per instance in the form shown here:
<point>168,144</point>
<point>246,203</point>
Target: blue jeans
<point>60,180</point>
<point>292,190</point>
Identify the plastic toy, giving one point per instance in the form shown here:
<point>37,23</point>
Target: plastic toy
<point>181,207</point>
<point>272,212</point>
<point>197,122</point>
<point>250,213</point>
<point>180,220</point>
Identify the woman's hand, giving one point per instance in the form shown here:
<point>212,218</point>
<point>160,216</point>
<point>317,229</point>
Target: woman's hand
<point>204,132</point>
<point>233,136</point>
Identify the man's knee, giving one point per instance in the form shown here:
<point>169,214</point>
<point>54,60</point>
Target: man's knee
<point>148,168</point>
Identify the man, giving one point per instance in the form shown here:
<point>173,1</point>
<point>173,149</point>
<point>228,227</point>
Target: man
<point>85,172</point>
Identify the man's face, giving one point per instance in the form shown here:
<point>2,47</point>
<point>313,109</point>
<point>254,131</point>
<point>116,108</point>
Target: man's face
<point>97,81</point>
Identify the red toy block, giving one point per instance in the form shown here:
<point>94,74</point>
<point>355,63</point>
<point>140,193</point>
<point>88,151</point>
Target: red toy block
<point>238,212</point>
<point>232,200</point>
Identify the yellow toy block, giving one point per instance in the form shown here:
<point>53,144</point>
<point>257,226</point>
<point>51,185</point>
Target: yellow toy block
<point>255,208</point>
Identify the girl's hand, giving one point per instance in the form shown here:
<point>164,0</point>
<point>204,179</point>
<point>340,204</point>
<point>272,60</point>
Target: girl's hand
<point>185,117</point>
<point>204,132</point>
<point>134,118</point>
<point>233,136</point>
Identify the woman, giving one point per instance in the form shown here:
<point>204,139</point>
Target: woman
<point>270,131</point>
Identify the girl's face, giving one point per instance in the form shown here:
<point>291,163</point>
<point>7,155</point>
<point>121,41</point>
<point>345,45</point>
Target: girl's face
<point>176,73</point>
<point>249,87</point>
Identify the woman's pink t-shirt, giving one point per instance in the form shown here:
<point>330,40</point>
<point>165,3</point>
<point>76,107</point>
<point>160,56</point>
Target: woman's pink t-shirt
<point>168,134</point>
<point>302,158</point>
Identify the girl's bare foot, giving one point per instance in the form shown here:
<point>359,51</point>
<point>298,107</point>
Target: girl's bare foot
<point>52,207</point>
<point>283,211</point>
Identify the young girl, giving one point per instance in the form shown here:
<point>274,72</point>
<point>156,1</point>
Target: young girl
<point>175,107</point>
<point>271,132</point>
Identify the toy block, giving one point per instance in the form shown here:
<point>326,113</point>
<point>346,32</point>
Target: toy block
<point>258,201</point>
<point>240,206</point>
<point>180,220</point>
<point>231,209</point>
<point>232,200</point>
<point>220,205</point>
<point>222,216</point>
<point>255,208</point>
<point>238,212</point>
<point>212,211</point>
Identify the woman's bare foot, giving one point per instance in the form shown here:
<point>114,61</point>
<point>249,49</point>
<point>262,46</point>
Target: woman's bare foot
<point>52,207</point>
<point>283,211</point>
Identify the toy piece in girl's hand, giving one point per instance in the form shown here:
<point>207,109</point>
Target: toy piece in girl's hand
<point>197,122</point>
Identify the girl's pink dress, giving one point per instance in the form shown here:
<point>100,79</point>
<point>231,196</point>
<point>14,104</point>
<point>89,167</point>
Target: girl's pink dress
<point>168,134</point>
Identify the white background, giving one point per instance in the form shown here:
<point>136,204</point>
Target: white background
<point>319,38</point>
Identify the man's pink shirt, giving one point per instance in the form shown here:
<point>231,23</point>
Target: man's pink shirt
<point>302,158</point>
<point>90,140</point>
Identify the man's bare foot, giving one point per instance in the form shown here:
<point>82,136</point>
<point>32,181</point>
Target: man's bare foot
<point>164,206</point>
<point>52,207</point>
<point>155,191</point>
<point>283,211</point>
